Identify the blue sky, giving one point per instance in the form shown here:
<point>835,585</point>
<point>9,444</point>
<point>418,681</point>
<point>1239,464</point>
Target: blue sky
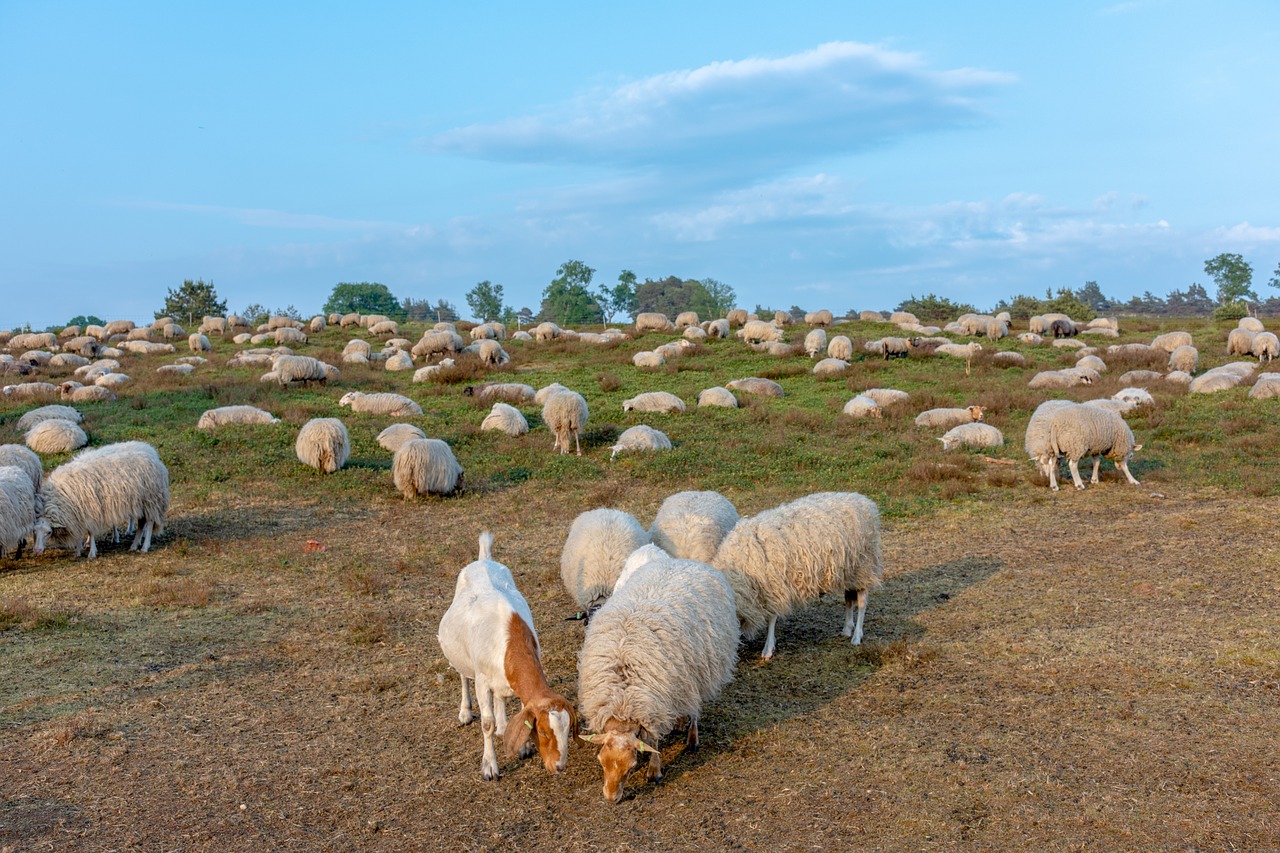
<point>838,155</point>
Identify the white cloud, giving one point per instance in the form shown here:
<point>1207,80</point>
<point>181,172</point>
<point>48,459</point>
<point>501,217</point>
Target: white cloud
<point>1244,234</point>
<point>819,195</point>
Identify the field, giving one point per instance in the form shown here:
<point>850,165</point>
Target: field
<point>1093,670</point>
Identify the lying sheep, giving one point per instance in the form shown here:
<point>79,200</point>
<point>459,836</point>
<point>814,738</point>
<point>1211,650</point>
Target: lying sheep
<point>648,360</point>
<point>30,391</point>
<point>977,436</point>
<point>323,444</point>
<point>653,654</point>
<point>1065,378</point>
<point>788,556</point>
<point>691,525</point>
<point>830,367</point>
<point>397,434</point>
<point>1092,363</point>
<point>176,369</point>
<point>55,436</point>
<point>717,396</point>
<point>654,401</point>
<point>118,486</point>
<point>425,466</point>
<point>384,403</point>
<point>44,413</point>
<point>515,393</point>
<point>565,413</point>
<point>948,418</point>
<point>299,368</point>
<point>640,437</point>
<point>425,374</point>
<point>595,549</point>
<point>505,418</point>
<point>88,394</point>
<point>758,386</point>
<point>886,396</point>
<point>1267,386</point>
<point>398,361</point>
<point>17,509</point>
<point>25,459</point>
<point>862,406</point>
<point>695,334</point>
<point>227,415</point>
<point>1078,431</point>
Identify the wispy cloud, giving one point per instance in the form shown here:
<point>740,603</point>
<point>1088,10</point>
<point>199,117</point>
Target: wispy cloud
<point>838,98</point>
<point>267,218</point>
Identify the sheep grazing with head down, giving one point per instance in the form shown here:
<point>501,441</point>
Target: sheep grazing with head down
<point>385,403</point>
<point>665,643</point>
<point>757,385</point>
<point>425,466</point>
<point>652,321</point>
<point>840,347</point>
<point>1078,431</point>
<point>948,418</point>
<point>505,418</point>
<point>595,549</point>
<point>788,556</point>
<point>717,396</point>
<point>514,393</point>
<point>17,509</point>
<point>488,638</point>
<point>228,415</point>
<point>25,459</point>
<point>641,437</point>
<point>654,401</point>
<point>323,444</point>
<point>1266,346</point>
<point>55,436</point>
<point>977,436</point>
<point>815,342</point>
<point>299,368</point>
<point>565,413</point>
<point>397,434</point>
<point>862,406</point>
<point>44,413</point>
<point>691,525</point>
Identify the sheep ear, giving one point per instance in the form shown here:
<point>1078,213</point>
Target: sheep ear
<point>1137,447</point>
<point>591,738</point>
<point>641,746</point>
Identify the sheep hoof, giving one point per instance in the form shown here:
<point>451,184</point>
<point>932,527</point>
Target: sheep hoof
<point>1080,487</point>
<point>465,718</point>
<point>527,750</point>
<point>490,774</point>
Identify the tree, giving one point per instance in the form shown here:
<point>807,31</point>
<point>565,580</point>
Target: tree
<point>445,312</point>
<point>524,317</point>
<point>485,301</point>
<point>1233,276</point>
<point>1275,277</point>
<point>83,320</point>
<point>195,299</point>
<point>567,299</point>
<point>418,309</point>
<point>720,296</point>
<point>1091,295</point>
<point>619,299</point>
<point>255,314</point>
<point>934,307</point>
<point>364,297</point>
<point>1066,302</point>
<point>672,295</point>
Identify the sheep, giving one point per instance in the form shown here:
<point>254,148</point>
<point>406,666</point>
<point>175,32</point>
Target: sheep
<point>815,342</point>
<point>384,327</point>
<point>686,318</point>
<point>1214,381</point>
<point>1067,343</point>
<point>30,391</point>
<point>691,525</point>
<point>176,369</point>
<point>1240,342</point>
<point>717,396</point>
<point>437,342</point>
<point>397,434</point>
<point>978,436</point>
<point>903,317</point>
<point>546,332</point>
<point>1267,386</point>
<point>648,359</point>
<point>1092,362</point>
<point>68,359</point>
<point>1178,377</point>
<point>483,331</point>
<point>299,368</point>
<point>1171,341</point>
<point>515,393</point>
<point>758,331</point>
<point>1135,396</point>
<point>1031,338</point>
<point>227,415</point>
<point>862,406</point>
<point>652,321</point>
<point>654,401</point>
<point>55,436</point>
<point>505,418</point>
<point>640,437</point>
<point>18,506</point>
<point>890,347</point>
<point>655,652</point>
<point>1253,324</point>
<point>595,549</point>
<point>1184,358</point>
<point>488,638</point>
<point>1140,377</point>
<point>398,361</point>
<point>1066,378</point>
<point>317,324</point>
<point>25,459</point>
<point>1266,346</point>
<point>830,367</point>
<point>819,318</point>
<point>566,413</point>
<point>198,343</point>
<point>546,391</point>
<point>948,418</point>
<point>718,329</point>
<point>641,556</point>
<point>118,327</point>
<point>424,374</point>
<point>122,485</point>
<point>490,353</point>
<point>1009,358</point>
<point>323,444</point>
<point>1080,431</point>
<point>737,317</point>
<point>425,466</point>
<point>44,413</point>
<point>788,556</point>
<point>758,386</point>
<point>1061,328</point>
<point>871,317</point>
<point>385,403</point>
<point>88,394</point>
<point>775,348</point>
<point>964,351</point>
<point>1101,332</point>
<point>840,347</point>
<point>673,349</point>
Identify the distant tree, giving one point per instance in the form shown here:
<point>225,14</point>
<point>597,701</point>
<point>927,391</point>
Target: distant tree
<point>1020,307</point>
<point>797,314</point>
<point>445,312</point>
<point>1193,301</point>
<point>567,299</point>
<point>363,297</point>
<point>1066,302</point>
<point>720,296</point>
<point>255,314</point>
<point>1091,295</point>
<point>1148,303</point>
<point>1275,277</point>
<point>288,311</point>
<point>195,299</point>
<point>673,295</point>
<point>618,299</point>
<point>418,309</point>
<point>82,320</point>
<point>524,317</point>
<point>1234,277</point>
<point>485,301</point>
<point>934,307</point>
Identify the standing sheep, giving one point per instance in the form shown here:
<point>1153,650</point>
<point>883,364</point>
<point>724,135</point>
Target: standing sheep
<point>397,434</point>
<point>1240,342</point>
<point>653,654</point>
<point>1266,346</point>
<point>595,549</point>
<point>652,321</point>
<point>565,413</point>
<point>1184,358</point>
<point>425,466</point>
<point>25,459</point>
<point>323,444</point>
<point>788,556</point>
<point>691,525</point>
<point>44,413</point>
<point>1079,431</point>
<point>815,342</point>
<point>17,509</point>
<point>299,368</point>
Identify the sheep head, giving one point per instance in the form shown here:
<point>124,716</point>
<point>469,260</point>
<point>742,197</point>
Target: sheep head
<point>618,743</point>
<point>975,412</point>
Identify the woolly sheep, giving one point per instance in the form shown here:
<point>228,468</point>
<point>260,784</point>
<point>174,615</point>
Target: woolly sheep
<point>652,321</point>
<point>1009,358</point>
<point>424,374</point>
<point>1079,431</point>
<point>1101,332</point>
<point>1067,343</point>
<point>1031,338</point>
<point>655,652</point>
<point>199,343</point>
<point>978,436</point>
<point>890,347</point>
<point>1266,346</point>
<point>289,335</point>
<point>30,391</point>
<point>819,318</point>
<point>686,318</point>
<point>1178,377</point>
<point>317,324</point>
<point>674,349</point>
<point>385,403</point>
<point>691,525</point>
<point>437,342</point>
<point>871,317</point>
<point>775,348</point>
<point>718,329</point>
<point>717,396</point>
<point>1093,363</point>
<point>964,351</point>
<point>540,398</point>
<point>815,342</point>
<point>1240,342</point>
<point>299,368</point>
<point>886,396</point>
<point>737,317</point>
<point>595,549</point>
<point>830,367</point>
<point>68,359</point>
<point>118,327</point>
<point>227,415</point>
<point>693,333</point>
<point>323,444</point>
<point>903,317</point>
<point>1036,442</point>
<point>515,393</point>
<point>1120,407</point>
<point>641,437</point>
<point>89,394</point>
<point>117,486</point>
<point>398,361</point>
<point>840,347</point>
<point>17,508</point>
<point>397,434</point>
<point>425,466</point>
<point>1253,324</point>
<point>489,352</point>
<point>25,459</point>
<point>55,436</point>
<point>654,401</point>
<point>1184,358</point>
<point>505,418</point>
<point>862,406</point>
<point>545,332</point>
<point>1065,378</point>
<point>175,369</point>
<point>1171,341</point>
<point>758,331</point>
<point>1267,386</point>
<point>1136,396</point>
<point>566,413</point>
<point>758,386</point>
<point>44,413</point>
<point>647,359</point>
<point>1214,381</point>
<point>641,556</point>
<point>385,327</point>
<point>948,418</point>
<point>1140,377</point>
<point>785,557</point>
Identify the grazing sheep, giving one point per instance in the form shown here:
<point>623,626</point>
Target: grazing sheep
<point>317,324</point>
<point>757,385</point>
<point>1009,358</point>
<point>323,444</point>
<point>963,351</point>
<point>1171,341</point>
<point>299,368</point>
<point>830,367</point>
<point>737,317</point>
<point>652,321</point>
<point>437,342</point>
<point>565,413</point>
<point>819,318</point>
<point>546,332</point>
<point>199,343</point>
<point>385,403</point>
<point>718,329</point>
<point>118,486</point>
<point>788,556</point>
<point>862,406</point>
<point>1240,342</point>
<point>176,369</point>
<point>691,525</point>
<point>1080,431</point>
<point>18,508</point>
<point>815,342</point>
<point>758,331</point>
<point>425,466</point>
<point>695,334</point>
<point>1092,362</point>
<point>1253,324</point>
<point>948,418</point>
<point>686,318</point>
<point>227,415</point>
<point>648,359</point>
<point>871,317</point>
<point>55,436</point>
<point>654,401</point>
<point>490,353</point>
<point>25,459</point>
<point>88,394</point>
<point>595,549</point>
<point>289,335</point>
<point>515,393</point>
<point>1063,329</point>
<point>505,418</point>
<point>1266,346</point>
<point>1184,358</point>
<point>653,654</point>
<point>385,327</point>
<point>978,436</point>
<point>717,396</point>
<point>674,349</point>
<point>44,413</point>
<point>398,361</point>
<point>30,391</point>
<point>641,437</point>
<point>840,347</point>
<point>397,434</point>
<point>546,391</point>
<point>1036,442</point>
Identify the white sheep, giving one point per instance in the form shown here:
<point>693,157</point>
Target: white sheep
<point>30,391</point>
<point>515,393</point>
<point>686,318</point>
<point>227,415</point>
<point>595,549</point>
<point>788,556</point>
<point>545,332</point>
<point>1184,358</point>
<point>1065,378</point>
<point>648,359</point>
<point>815,342</point>
<point>978,436</point>
<point>640,437</point>
<point>1170,341</point>
<point>840,347</point>
<point>1253,324</point>
<point>738,317</point>
<point>55,436</point>
<point>654,401</point>
<point>424,374</point>
<point>652,321</point>
<point>44,413</point>
<point>117,486</point>
<point>398,361</point>
<point>1140,377</point>
<point>691,525</point>
<point>862,406</point>
<point>88,394</point>
<point>540,398</point>
<point>17,509</point>
<point>830,367</point>
<point>718,328</point>
<point>822,317</point>
<point>489,352</point>
<point>384,403</point>
<point>505,418</point>
<point>323,444</point>
<point>176,369</point>
<point>289,335</point>
<point>886,396</point>
<point>1077,431</point>
<point>1267,386</point>
<point>889,347</point>
<point>757,385</point>
<point>948,418</point>
<point>299,368</point>
<point>758,331</point>
<point>717,396</point>
<point>1266,346</point>
<point>659,649</point>
<point>24,458</point>
<point>397,434</point>
<point>1240,342</point>
<point>565,413</point>
<point>425,466</point>
<point>488,638</point>
<point>1092,362</point>
<point>1009,358</point>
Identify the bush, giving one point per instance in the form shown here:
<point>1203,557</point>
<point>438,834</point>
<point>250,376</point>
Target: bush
<point>1231,311</point>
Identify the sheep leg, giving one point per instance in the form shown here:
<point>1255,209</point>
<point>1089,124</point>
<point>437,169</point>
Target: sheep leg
<point>691,736</point>
<point>577,444</point>
<point>93,548</point>
<point>1075,473</point>
<point>146,539</point>
<point>464,708</point>
<point>1097,466</point>
<point>852,625</point>
<point>1052,471</point>
<point>654,770</point>
<point>489,761</point>
<point>770,640</point>
<point>1123,465</point>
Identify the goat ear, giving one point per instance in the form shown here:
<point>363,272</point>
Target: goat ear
<point>518,730</point>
